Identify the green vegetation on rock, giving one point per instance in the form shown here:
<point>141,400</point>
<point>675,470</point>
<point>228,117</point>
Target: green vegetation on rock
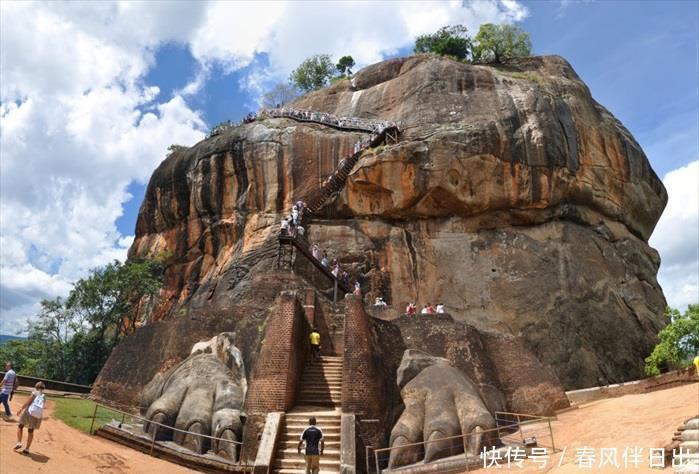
<point>496,43</point>
<point>447,41</point>
<point>344,66</point>
<point>314,73</point>
<point>679,341</point>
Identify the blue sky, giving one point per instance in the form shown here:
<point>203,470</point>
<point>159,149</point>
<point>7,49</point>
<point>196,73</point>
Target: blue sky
<point>93,93</point>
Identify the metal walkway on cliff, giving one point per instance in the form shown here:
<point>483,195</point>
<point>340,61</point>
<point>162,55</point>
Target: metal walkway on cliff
<point>381,131</point>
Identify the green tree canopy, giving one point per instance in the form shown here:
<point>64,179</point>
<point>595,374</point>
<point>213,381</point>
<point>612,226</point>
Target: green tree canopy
<point>679,341</point>
<point>279,95</point>
<point>70,339</point>
<point>496,43</point>
<point>345,65</point>
<point>447,41</point>
<point>313,74</point>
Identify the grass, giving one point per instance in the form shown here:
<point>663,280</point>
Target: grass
<point>77,413</point>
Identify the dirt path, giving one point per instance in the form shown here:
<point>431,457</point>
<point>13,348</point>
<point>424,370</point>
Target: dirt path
<point>635,421</point>
<point>58,449</point>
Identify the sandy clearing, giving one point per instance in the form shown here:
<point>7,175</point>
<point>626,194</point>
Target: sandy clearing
<point>59,449</point>
<point>644,421</point>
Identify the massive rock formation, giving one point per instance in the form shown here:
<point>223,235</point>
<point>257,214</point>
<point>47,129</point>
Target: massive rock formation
<point>512,197</point>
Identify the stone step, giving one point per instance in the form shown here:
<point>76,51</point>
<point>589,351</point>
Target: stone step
<point>293,444</point>
<point>301,463</point>
<point>320,403</point>
<point>325,428</point>
<point>331,454</point>
<point>294,437</point>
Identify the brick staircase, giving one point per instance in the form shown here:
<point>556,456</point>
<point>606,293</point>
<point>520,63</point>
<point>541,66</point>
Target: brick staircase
<point>319,395</point>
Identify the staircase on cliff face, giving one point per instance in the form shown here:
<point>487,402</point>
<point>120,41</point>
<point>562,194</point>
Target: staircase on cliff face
<point>319,395</point>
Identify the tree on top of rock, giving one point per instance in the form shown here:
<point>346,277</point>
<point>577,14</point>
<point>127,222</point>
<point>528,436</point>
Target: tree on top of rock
<point>495,43</point>
<point>313,74</point>
<point>345,65</point>
<point>447,41</point>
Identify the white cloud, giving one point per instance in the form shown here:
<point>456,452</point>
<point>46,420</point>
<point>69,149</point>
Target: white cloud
<point>77,126</point>
<point>676,237</point>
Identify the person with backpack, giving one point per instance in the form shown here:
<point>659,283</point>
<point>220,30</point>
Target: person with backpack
<point>30,416</point>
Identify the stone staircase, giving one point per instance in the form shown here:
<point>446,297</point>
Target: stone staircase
<point>321,383</point>
<point>319,395</point>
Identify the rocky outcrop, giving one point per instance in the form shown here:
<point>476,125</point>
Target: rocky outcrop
<point>512,197</point>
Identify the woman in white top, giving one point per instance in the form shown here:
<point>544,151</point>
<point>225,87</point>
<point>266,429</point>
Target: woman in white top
<point>30,416</point>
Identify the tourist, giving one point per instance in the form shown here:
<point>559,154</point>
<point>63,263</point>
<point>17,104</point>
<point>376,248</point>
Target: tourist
<point>300,205</point>
<point>336,270</point>
<point>428,309</point>
<point>295,215</point>
<point>696,364</point>
<point>324,260</point>
<point>284,226</point>
<point>411,308</point>
<point>345,279</point>
<point>30,416</point>
<point>315,251</point>
<point>357,289</point>
<point>312,436</point>
<point>379,303</point>
<point>9,385</point>
<point>315,343</point>
<point>440,308</point>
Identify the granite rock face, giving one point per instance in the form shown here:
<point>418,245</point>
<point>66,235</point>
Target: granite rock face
<point>512,197</point>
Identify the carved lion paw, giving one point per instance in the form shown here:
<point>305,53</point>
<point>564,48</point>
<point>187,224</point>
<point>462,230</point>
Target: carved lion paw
<point>203,395</point>
<point>440,402</point>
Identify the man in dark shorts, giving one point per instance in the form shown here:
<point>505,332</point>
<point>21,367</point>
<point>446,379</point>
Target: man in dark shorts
<point>312,436</point>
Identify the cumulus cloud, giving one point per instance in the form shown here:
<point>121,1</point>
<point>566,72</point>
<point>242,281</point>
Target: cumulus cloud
<point>676,237</point>
<point>77,126</point>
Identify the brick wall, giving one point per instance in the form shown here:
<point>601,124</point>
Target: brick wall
<point>281,359</point>
<point>362,390</point>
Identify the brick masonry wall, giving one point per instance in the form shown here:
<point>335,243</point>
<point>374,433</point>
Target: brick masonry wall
<point>362,390</point>
<point>280,362</point>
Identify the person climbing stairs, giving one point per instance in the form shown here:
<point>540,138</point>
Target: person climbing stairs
<point>319,395</point>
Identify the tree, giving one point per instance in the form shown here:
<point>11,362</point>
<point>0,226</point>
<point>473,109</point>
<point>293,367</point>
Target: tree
<point>447,41</point>
<point>679,341</point>
<point>71,339</point>
<point>279,95</point>
<point>313,74</point>
<point>345,65</point>
<point>495,43</point>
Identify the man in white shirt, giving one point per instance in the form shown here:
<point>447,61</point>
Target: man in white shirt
<point>440,308</point>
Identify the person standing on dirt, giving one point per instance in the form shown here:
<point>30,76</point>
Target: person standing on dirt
<point>30,416</point>
<point>312,436</point>
<point>8,387</point>
<point>315,343</point>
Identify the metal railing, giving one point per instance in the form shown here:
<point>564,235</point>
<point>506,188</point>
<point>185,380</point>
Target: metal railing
<point>242,464</point>
<point>511,428</point>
